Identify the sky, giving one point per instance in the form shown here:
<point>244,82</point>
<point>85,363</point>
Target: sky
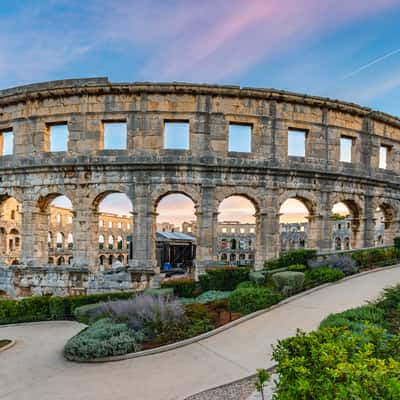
<point>346,49</point>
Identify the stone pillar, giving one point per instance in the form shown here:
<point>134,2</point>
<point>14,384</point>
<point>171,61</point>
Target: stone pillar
<point>267,236</point>
<point>85,227</point>
<point>207,222</point>
<point>144,230</point>
<point>319,231</point>
<point>367,224</point>
<point>34,232</point>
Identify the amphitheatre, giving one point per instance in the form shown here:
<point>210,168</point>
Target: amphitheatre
<point>207,169</point>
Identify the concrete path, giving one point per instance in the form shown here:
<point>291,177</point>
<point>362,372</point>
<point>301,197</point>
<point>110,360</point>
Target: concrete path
<point>35,369</point>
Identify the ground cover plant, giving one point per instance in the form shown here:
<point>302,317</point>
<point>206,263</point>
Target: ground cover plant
<point>355,354</point>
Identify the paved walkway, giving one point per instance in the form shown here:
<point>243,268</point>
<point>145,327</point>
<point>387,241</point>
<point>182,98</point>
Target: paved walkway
<point>35,368</point>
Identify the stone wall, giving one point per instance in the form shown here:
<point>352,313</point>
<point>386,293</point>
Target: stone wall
<point>207,172</point>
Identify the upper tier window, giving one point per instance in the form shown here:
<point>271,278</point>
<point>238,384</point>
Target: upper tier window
<point>7,143</point>
<point>383,156</point>
<point>115,137</point>
<point>239,138</point>
<point>346,145</point>
<point>296,143</point>
<point>176,135</point>
<point>59,135</point>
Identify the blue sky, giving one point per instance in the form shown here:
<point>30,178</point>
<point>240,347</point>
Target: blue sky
<point>336,48</point>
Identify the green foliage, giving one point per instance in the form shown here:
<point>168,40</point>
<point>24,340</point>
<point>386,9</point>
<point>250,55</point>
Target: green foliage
<point>223,279</point>
<point>183,287</point>
<point>246,284</point>
<point>248,300</point>
<point>376,257</point>
<point>199,319</point>
<point>323,275</point>
<point>396,242</point>
<point>102,339</point>
<point>289,282</point>
<point>257,277</point>
<point>84,314</point>
<point>297,268</point>
<point>262,377</point>
<point>332,363</point>
<point>212,295</point>
<point>355,318</point>
<point>290,258</point>
<point>165,292</point>
<point>42,308</point>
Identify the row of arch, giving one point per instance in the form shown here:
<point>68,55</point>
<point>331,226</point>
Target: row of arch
<point>352,205</point>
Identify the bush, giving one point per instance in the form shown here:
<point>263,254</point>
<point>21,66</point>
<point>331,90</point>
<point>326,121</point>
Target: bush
<point>248,300</point>
<point>223,279</point>
<point>354,317</point>
<point>165,292</point>
<point>154,316</point>
<point>289,282</point>
<point>297,268</point>
<point>199,318</point>
<point>339,262</point>
<point>396,242</point>
<point>323,275</point>
<point>331,363</point>
<point>290,258</point>
<point>42,308</point>
<point>102,339</point>
<point>212,295</point>
<point>246,284</point>
<point>257,277</point>
<point>84,314</point>
<point>183,287</point>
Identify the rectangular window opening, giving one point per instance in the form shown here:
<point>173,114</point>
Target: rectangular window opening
<point>176,135</point>
<point>59,136</point>
<point>346,144</point>
<point>239,138</point>
<point>296,143</point>
<point>383,157</point>
<point>115,136</point>
<point>7,142</point>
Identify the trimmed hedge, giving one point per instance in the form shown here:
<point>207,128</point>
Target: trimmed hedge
<point>290,258</point>
<point>323,275</point>
<point>223,279</point>
<point>183,287</point>
<point>248,300</point>
<point>42,308</point>
<point>297,268</point>
<point>289,282</point>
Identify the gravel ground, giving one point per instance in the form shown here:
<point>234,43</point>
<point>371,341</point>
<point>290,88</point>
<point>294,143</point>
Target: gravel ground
<point>238,390</point>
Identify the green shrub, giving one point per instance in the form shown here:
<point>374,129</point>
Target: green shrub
<point>297,268</point>
<point>290,258</point>
<point>355,317</point>
<point>257,277</point>
<point>248,300</point>
<point>323,275</point>
<point>332,363</point>
<point>42,308</point>
<point>246,284</point>
<point>164,292</point>
<point>199,318</point>
<point>83,314</point>
<point>223,279</point>
<point>396,242</point>
<point>183,287</point>
<point>289,282</point>
<point>102,339</point>
<point>212,295</point>
<point>376,257</point>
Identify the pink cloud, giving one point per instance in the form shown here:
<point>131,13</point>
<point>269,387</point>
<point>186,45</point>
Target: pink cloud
<point>215,40</point>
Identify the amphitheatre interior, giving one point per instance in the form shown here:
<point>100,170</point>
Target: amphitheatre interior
<point>87,139</point>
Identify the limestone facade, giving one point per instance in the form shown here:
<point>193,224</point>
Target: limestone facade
<point>207,172</point>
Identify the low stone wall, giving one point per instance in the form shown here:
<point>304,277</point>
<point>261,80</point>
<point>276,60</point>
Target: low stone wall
<point>17,281</point>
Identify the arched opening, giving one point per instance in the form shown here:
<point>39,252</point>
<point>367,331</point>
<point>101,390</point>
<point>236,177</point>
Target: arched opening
<point>294,223</point>
<point>345,222</point>
<point>384,231</point>
<point>115,226</point>
<point>176,232</point>
<point>10,228</point>
<point>237,227</point>
<point>50,261</point>
<point>61,260</point>
<point>70,259</point>
<point>70,240</point>
<point>338,244</point>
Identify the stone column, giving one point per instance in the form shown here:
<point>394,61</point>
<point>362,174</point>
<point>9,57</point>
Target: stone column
<point>85,227</point>
<point>207,222</point>
<point>144,229</point>
<point>319,231</point>
<point>34,232</point>
<point>367,224</point>
<point>267,236</point>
